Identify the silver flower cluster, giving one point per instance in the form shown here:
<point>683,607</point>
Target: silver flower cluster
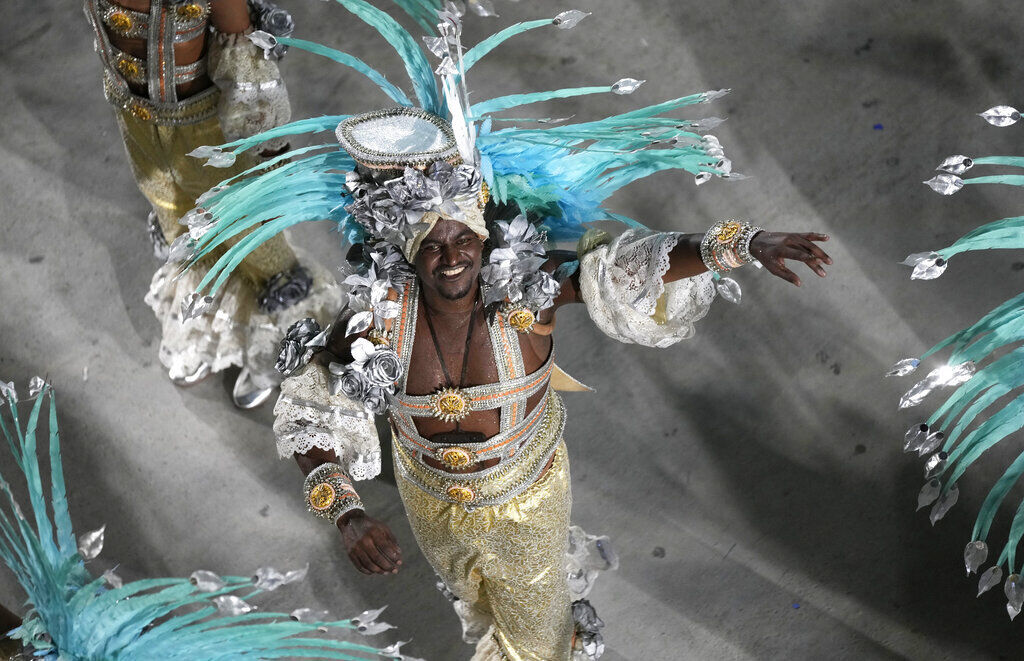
<point>514,266</point>
<point>392,211</point>
<point>368,302</point>
<point>588,629</point>
<point>303,339</point>
<point>370,377</point>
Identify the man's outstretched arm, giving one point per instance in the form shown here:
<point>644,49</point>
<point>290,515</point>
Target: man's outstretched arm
<point>771,249</point>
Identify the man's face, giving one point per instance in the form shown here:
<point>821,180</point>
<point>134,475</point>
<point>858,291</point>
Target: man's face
<point>449,259</point>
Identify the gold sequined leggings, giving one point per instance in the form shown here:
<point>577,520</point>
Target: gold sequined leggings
<point>506,562</point>
<point>172,180</point>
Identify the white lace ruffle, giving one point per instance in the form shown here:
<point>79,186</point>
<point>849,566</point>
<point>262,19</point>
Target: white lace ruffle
<point>622,282</point>
<point>216,338</point>
<point>308,416</point>
<point>234,332</point>
<point>253,96</point>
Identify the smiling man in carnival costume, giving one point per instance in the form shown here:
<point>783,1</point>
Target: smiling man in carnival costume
<point>452,299</point>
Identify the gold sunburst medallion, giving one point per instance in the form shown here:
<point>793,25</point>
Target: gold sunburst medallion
<point>190,12</point>
<point>521,318</point>
<point>456,457</point>
<point>140,112</point>
<point>450,405</point>
<point>129,69</point>
<point>460,494</point>
<point>119,22</point>
<point>378,338</point>
<point>728,232</point>
<point>322,496</point>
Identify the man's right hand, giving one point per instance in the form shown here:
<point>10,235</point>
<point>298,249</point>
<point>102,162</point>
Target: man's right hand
<point>370,544</point>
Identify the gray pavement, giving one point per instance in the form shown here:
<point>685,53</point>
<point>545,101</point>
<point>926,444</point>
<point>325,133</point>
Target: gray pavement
<point>751,477</point>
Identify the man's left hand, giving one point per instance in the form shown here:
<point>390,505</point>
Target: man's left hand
<point>772,249</point>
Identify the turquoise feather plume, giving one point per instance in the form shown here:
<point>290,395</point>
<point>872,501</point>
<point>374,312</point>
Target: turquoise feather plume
<point>78,617</point>
<point>988,408</point>
<point>561,174</point>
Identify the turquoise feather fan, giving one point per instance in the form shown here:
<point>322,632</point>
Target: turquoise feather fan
<point>986,365</point>
<point>561,175</point>
<point>76,616</point>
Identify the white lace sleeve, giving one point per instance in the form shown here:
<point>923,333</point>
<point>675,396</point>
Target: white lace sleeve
<point>621,283</point>
<point>253,96</point>
<point>308,416</point>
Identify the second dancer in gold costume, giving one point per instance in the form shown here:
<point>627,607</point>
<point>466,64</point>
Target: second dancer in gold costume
<point>176,85</point>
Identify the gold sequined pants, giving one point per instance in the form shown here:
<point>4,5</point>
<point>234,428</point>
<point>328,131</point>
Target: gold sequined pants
<point>506,562</point>
<point>172,180</point>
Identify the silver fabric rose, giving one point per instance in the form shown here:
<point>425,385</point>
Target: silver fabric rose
<point>303,339</point>
<point>285,290</point>
<point>348,382</point>
<point>383,368</point>
<point>377,400</point>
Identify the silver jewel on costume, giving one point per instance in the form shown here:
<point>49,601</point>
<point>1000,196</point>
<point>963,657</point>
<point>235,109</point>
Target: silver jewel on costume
<point>215,156</point>
<point>229,604</point>
<point>1001,115</point>
<point>975,555</point>
<point>367,624</point>
<point>569,19</point>
<point>945,184</point>
<point>989,578</point>
<point>278,22</point>
<point>927,265</point>
<point>957,164</point>
<point>729,289</point>
<point>903,367</point>
<point>931,443</point>
<point>935,465</point>
<point>915,437</point>
<point>303,339</point>
<point>708,97</point>
<point>91,543</point>
<point>264,40</point>
<point>944,504</point>
<point>626,85</point>
<point>180,249</point>
<point>36,386</point>
<point>206,581</point>
<point>194,305</point>
<point>944,376</point>
<point>309,615</point>
<point>929,493</point>
<point>268,578</point>
<point>8,391</point>
<point>1014,591</point>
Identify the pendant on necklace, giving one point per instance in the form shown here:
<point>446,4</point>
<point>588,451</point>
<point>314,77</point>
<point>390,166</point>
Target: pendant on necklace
<point>450,404</point>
